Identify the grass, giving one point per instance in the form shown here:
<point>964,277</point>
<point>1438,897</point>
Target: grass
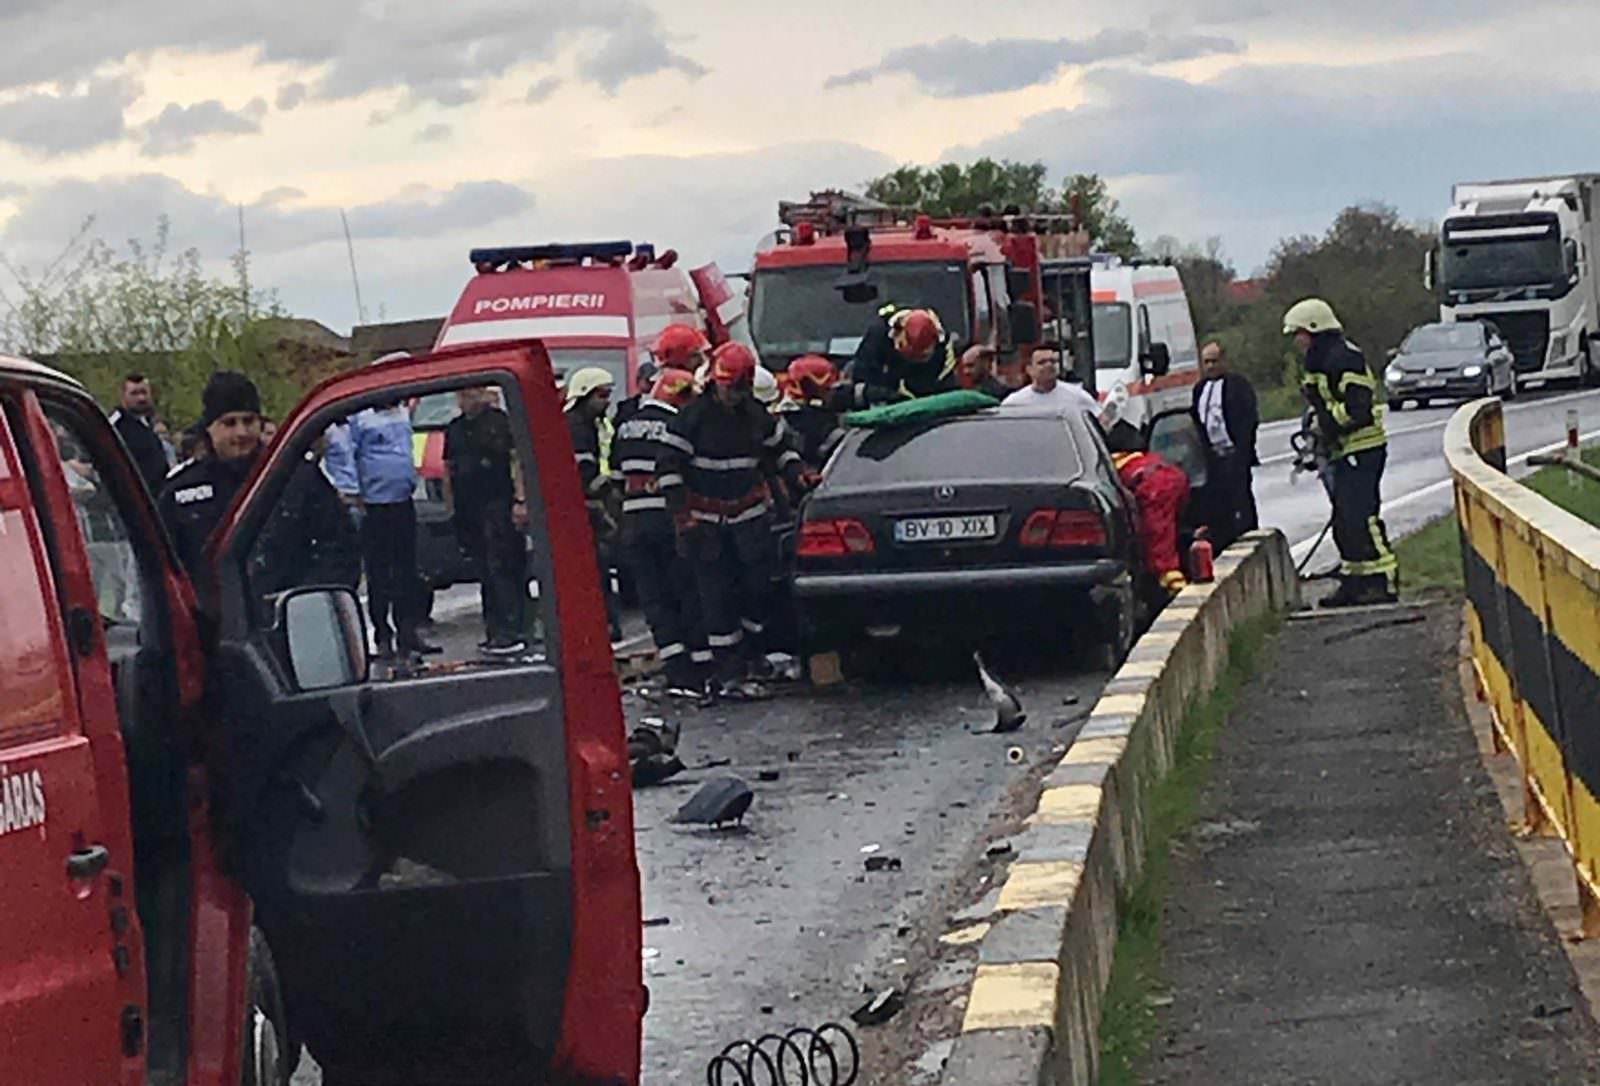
<point>1128,1024</point>
<point>1430,558</point>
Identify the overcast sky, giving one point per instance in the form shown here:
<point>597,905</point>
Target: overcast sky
<point>439,126</point>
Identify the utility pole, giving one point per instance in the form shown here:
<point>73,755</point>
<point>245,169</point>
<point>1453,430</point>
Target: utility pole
<point>355,278</point>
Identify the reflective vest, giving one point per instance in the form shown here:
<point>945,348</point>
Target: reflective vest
<point>1331,396</point>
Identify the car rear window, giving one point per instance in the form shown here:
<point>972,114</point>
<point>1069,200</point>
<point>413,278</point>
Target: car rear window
<point>989,448</point>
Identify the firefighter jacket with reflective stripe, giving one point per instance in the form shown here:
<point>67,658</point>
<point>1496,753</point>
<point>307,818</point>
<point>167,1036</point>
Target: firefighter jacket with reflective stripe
<point>585,433</point>
<point>637,450</point>
<point>879,374</point>
<point>815,429</point>
<point>718,461</point>
<point>1343,395</point>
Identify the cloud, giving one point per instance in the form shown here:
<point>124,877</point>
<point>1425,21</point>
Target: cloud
<point>291,95</point>
<point>446,54</point>
<point>10,190</point>
<point>176,129</point>
<point>542,89</point>
<point>436,133</point>
<point>69,119</point>
<point>958,67</point>
<point>632,52</point>
<point>1261,152</point>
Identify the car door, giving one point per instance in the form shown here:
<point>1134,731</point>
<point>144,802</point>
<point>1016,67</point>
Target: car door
<point>1175,436</point>
<point>441,855</point>
<point>71,982</point>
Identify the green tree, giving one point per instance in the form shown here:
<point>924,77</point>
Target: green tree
<point>952,189</point>
<point>98,313</point>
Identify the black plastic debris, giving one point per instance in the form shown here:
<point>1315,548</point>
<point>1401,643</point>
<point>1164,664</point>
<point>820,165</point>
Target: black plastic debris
<point>717,803</point>
<point>880,1008</point>
<point>883,863</point>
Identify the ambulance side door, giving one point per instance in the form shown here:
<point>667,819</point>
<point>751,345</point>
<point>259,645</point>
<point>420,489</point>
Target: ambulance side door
<point>71,982</point>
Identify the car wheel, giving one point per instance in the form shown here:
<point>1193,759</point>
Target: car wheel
<point>1398,403</point>
<point>267,1059</point>
<point>1115,634</point>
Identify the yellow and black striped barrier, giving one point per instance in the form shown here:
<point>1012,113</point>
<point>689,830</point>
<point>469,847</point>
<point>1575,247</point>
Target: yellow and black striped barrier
<point>1533,613</point>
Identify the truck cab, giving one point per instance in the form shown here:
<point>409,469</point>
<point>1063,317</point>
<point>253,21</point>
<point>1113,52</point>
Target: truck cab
<point>225,830</point>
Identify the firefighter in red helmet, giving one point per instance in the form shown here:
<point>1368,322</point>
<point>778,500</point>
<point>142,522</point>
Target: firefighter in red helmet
<point>662,576</point>
<point>905,354</point>
<point>680,347</point>
<point>1161,491</point>
<point>721,455</point>
<point>807,408</point>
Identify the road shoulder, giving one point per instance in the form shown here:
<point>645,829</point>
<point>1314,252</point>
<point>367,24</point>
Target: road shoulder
<point>1350,908</point>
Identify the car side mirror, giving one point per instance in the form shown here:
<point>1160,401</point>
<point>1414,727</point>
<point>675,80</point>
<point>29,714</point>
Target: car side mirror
<point>1024,321</point>
<point>324,635</point>
<point>1158,360</point>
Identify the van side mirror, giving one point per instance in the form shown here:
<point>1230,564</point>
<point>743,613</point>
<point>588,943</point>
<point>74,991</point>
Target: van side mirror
<point>1569,254</point>
<point>1427,268</point>
<point>1158,360</point>
<point>1024,321</point>
<point>325,637</point>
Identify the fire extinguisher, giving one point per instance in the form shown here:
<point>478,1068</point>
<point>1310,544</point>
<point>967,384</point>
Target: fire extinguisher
<point>1201,555</point>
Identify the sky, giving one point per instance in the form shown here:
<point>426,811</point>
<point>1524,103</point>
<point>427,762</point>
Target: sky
<point>439,127</point>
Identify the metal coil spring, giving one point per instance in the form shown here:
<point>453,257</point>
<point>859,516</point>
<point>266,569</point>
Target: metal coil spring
<point>801,1057</point>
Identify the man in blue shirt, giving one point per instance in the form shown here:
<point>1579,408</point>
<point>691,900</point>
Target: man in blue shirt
<point>384,477</point>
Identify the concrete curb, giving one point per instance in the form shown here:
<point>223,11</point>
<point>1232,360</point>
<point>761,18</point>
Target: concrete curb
<point>1033,1013</point>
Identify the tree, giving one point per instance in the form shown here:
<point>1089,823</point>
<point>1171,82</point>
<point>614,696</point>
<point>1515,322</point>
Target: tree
<point>951,189</point>
<point>99,313</point>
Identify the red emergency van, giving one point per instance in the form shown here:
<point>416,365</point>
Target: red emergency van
<point>441,860</point>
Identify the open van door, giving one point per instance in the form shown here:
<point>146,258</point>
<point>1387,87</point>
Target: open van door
<point>440,852</point>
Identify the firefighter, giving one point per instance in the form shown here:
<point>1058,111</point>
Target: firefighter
<point>807,408</point>
<point>663,577</point>
<point>722,452</point>
<point>588,399</point>
<point>1161,491</point>
<point>646,378</point>
<point>1342,395</point>
<point>195,496</point>
<point>905,354</point>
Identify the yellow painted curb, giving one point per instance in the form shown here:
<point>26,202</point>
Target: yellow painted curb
<point>1013,997</point>
<point>1119,703</point>
<point>1095,751</point>
<point>1040,885</point>
<point>1141,669</point>
<point>1069,803</point>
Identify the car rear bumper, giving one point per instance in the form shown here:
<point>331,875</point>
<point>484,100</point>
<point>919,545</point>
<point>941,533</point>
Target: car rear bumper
<point>1077,575</point>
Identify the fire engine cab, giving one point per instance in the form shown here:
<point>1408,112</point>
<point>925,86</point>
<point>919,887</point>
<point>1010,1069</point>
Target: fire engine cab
<point>818,281</point>
<point>224,831</point>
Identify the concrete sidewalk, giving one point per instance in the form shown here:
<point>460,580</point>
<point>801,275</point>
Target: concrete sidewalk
<point>1350,907</point>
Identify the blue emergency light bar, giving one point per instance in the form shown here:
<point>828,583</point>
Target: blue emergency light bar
<point>564,253</point>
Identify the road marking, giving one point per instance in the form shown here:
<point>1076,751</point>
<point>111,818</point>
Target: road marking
<point>1423,427</point>
<point>1013,997</point>
<point>1300,549</point>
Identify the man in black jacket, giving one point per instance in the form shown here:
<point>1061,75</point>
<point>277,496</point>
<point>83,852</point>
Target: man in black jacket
<point>1225,408</point>
<point>196,496</point>
<point>135,420</point>
<point>905,354</point>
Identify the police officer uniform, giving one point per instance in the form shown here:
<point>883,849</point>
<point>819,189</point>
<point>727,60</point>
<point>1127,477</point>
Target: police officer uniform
<point>1342,395</point>
<point>664,578</point>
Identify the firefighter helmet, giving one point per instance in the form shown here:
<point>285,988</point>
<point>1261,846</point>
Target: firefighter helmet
<point>677,345</point>
<point>673,386</point>
<point>916,333</point>
<point>585,381</point>
<point>765,386</point>
<point>1311,315</point>
<point>812,376</point>
<point>733,364</point>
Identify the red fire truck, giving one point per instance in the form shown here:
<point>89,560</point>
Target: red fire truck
<point>441,860</point>
<point>818,282</point>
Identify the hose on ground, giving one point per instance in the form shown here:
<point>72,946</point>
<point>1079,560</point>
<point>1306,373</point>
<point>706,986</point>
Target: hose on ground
<point>825,1056</point>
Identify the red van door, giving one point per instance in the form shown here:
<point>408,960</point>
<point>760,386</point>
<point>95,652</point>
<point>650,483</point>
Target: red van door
<point>440,854</point>
<point>69,972</point>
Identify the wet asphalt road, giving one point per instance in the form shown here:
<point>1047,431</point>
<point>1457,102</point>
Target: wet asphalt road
<point>782,915</point>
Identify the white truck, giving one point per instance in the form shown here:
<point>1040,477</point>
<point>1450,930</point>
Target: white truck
<point>1520,255</point>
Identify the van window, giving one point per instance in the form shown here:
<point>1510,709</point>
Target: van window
<point>983,306</point>
<point>1179,333</point>
<point>1113,335</point>
<point>113,562</point>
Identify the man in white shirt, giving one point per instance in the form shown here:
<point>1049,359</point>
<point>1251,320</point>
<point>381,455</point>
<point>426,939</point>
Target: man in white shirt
<point>1046,392</point>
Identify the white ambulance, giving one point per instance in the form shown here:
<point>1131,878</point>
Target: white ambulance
<point>1146,356</point>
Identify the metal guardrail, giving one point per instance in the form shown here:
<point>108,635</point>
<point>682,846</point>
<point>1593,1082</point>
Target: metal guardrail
<point>1533,614</point>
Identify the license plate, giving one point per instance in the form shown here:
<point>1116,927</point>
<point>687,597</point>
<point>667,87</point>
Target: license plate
<point>1431,382</point>
<point>944,529</point>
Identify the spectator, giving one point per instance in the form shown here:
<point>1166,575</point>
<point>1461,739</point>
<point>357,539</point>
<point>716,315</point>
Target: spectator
<point>386,477</point>
<point>134,420</point>
<point>1225,408</point>
<point>1046,392</point>
<point>165,435</point>
<point>269,430</point>
<point>977,372</point>
<point>486,507</point>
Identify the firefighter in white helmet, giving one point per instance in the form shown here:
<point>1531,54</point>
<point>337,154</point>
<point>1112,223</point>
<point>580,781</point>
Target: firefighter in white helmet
<point>588,400</point>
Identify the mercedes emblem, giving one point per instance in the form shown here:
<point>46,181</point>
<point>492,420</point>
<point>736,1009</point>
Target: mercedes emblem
<point>945,492</point>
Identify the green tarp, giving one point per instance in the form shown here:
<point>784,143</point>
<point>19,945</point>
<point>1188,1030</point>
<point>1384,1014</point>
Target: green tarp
<point>938,406</point>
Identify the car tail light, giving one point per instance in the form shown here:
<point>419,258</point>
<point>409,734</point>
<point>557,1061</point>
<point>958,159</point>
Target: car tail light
<point>834,539</point>
<point>1063,528</point>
